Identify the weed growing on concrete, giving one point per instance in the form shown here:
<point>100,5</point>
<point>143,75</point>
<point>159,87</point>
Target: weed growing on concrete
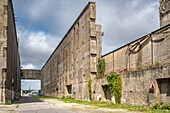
<point>115,85</point>
<point>157,63</point>
<point>17,106</point>
<point>139,68</point>
<point>90,90</point>
<point>8,103</point>
<point>101,66</point>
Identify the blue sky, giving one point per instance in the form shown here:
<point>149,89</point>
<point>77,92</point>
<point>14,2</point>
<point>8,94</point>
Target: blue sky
<point>41,24</point>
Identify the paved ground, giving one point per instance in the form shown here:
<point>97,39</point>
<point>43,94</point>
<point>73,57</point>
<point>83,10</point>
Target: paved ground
<point>33,105</point>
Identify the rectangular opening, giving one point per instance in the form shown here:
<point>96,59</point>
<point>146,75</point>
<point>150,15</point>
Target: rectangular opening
<point>107,92</point>
<point>4,73</point>
<point>56,92</point>
<point>5,9</point>
<point>4,51</point>
<point>163,90</point>
<point>4,30</point>
<point>69,89</point>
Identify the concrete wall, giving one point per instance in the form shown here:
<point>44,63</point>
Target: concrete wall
<point>140,62</point>
<point>9,54</point>
<point>30,74</point>
<point>149,50</point>
<point>3,47</point>
<point>164,11</point>
<point>136,86</point>
<point>135,61</point>
<point>75,58</point>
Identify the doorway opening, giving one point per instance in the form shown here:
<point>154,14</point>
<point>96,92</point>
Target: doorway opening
<point>107,92</point>
<point>163,90</point>
<point>56,92</point>
<point>69,89</point>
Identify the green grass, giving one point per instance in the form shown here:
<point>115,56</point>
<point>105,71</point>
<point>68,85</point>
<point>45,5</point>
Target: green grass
<point>108,105</point>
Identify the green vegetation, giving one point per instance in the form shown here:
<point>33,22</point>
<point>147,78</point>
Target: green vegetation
<point>8,103</point>
<point>28,91</point>
<point>115,85</point>
<point>157,63</point>
<point>161,106</point>
<point>110,105</point>
<point>17,106</point>
<point>68,97</point>
<point>101,66</point>
<point>149,66</point>
<point>90,90</point>
<point>139,68</point>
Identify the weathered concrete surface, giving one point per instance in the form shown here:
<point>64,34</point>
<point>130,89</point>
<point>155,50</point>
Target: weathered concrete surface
<point>136,59</point>
<point>149,50</point>
<point>10,82</point>
<point>30,74</point>
<point>68,68</point>
<point>164,12</point>
<point>136,86</point>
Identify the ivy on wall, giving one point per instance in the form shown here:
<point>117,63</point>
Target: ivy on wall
<point>90,90</point>
<point>101,66</point>
<point>115,85</point>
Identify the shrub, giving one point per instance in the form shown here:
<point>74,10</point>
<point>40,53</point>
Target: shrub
<point>161,103</point>
<point>101,66</point>
<point>90,90</point>
<point>8,103</point>
<point>166,106</point>
<point>156,106</point>
<point>115,85</point>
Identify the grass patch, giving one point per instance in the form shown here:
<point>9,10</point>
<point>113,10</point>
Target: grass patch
<point>109,105</point>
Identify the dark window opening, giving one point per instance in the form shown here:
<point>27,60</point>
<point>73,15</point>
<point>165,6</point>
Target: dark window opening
<point>69,89</point>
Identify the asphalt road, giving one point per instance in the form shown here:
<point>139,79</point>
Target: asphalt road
<point>33,105</point>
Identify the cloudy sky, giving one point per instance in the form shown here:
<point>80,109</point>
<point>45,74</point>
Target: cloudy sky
<point>41,24</point>
<point>28,84</point>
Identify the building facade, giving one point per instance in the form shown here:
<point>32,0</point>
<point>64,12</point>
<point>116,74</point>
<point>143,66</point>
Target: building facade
<point>67,70</point>
<point>10,80</point>
<point>144,61</point>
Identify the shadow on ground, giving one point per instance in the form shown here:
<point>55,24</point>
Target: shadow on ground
<point>28,99</point>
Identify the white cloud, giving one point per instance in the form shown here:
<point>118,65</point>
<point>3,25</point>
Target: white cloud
<point>56,16</point>
<point>36,47</point>
<point>122,21</point>
<point>28,66</point>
